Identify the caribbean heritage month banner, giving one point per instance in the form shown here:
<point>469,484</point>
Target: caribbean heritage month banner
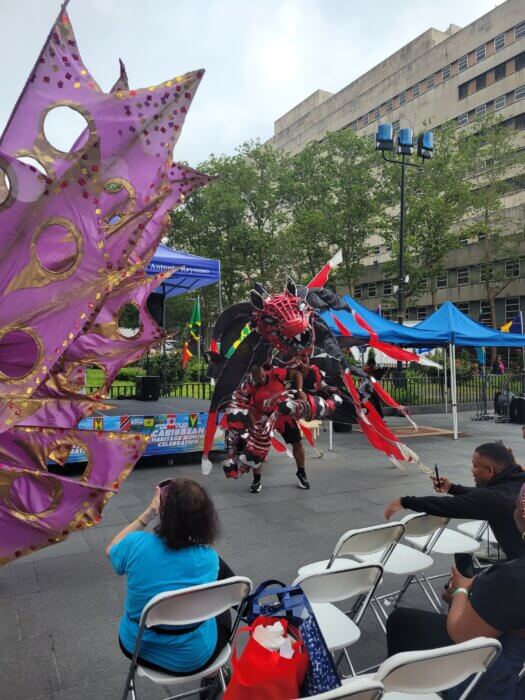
<point>170,433</point>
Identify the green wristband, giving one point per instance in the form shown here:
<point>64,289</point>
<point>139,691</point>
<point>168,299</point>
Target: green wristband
<point>460,590</point>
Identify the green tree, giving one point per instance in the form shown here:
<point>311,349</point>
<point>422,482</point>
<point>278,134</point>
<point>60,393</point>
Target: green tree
<point>354,205</point>
<point>494,159</point>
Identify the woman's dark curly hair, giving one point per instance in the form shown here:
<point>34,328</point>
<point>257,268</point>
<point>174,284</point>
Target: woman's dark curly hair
<point>187,515</point>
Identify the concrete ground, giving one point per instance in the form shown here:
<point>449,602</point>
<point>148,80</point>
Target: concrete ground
<point>59,608</point>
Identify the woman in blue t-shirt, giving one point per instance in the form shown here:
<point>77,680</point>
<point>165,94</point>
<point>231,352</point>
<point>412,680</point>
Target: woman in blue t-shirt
<point>177,554</point>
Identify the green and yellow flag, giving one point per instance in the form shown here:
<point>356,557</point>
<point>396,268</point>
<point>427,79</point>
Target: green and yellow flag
<point>195,326</point>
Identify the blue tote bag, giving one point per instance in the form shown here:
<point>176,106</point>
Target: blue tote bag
<point>275,599</point>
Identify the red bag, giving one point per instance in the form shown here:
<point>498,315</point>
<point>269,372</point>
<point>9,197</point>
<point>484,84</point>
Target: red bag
<point>262,674</point>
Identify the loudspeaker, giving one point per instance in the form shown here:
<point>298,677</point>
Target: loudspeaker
<point>147,388</point>
<point>517,410</point>
<point>155,306</point>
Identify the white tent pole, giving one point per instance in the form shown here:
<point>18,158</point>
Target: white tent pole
<point>445,392</point>
<point>330,436</point>
<point>453,386</point>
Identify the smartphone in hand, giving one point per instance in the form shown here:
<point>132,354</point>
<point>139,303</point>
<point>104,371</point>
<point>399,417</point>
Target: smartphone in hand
<point>465,564</point>
<point>436,471</point>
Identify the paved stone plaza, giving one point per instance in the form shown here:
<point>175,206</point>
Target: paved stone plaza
<point>59,609</point>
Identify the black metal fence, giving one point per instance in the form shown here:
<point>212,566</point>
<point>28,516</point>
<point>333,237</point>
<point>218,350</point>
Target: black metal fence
<point>411,390</point>
<point>428,390</point>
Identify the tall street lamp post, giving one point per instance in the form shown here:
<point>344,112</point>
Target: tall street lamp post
<point>405,148</point>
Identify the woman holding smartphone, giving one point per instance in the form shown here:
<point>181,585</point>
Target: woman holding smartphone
<point>176,554</point>
<point>490,604</point>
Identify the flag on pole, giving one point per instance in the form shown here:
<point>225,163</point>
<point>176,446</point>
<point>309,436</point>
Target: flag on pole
<point>195,327</point>
<point>186,354</point>
<point>514,326</point>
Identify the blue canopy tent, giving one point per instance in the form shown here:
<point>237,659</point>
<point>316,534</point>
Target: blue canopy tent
<point>190,271</point>
<point>459,329</point>
<point>445,327</point>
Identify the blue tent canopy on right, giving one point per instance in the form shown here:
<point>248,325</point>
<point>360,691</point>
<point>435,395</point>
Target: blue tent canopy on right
<point>460,329</point>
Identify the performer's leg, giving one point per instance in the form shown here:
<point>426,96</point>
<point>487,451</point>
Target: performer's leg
<point>291,433</point>
<point>256,485</point>
<point>300,459</point>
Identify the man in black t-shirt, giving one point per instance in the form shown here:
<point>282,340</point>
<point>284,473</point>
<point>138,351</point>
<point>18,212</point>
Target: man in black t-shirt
<point>498,481</point>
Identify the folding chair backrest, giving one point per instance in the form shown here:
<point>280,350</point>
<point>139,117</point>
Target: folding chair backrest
<point>422,524</point>
<point>341,584</point>
<point>354,689</point>
<point>189,606</point>
<point>434,670</point>
<point>368,540</point>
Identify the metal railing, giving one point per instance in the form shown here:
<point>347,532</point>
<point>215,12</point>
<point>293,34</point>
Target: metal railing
<point>423,390</point>
<point>428,390</point>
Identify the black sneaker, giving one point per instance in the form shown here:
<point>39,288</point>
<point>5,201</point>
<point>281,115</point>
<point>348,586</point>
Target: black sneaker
<point>302,481</point>
<point>256,487</point>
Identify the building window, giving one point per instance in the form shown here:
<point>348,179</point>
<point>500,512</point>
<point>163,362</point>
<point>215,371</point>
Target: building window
<point>421,313</point>
<point>395,126</point>
<point>387,288</point>
<point>375,250</point>
<point>365,120</point>
<point>481,110</point>
<point>412,313</point>
<point>519,61</point>
<point>462,64</point>
<point>512,268</point>
<point>481,81</point>
<point>499,72</point>
<point>519,93</point>
<point>372,289</point>
<point>353,126</point>
<point>377,113</point>
<point>390,314</point>
<point>389,106</point>
<point>519,30</point>
<point>402,98</point>
<point>512,307</point>
<point>519,122</point>
<point>446,73</point>
<point>415,90</point>
<point>441,280</point>
<point>463,91</point>
<point>463,119</point>
<point>480,53</point>
<point>500,102</point>
<point>463,306</point>
<point>485,272</point>
<point>358,291</point>
<point>463,275</point>
<point>499,42</point>
<point>485,313</point>
<point>430,82</point>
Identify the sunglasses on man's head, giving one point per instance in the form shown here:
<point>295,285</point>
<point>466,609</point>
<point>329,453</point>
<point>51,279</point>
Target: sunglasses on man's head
<point>164,483</point>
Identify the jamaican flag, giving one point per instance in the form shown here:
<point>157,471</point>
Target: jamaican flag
<point>195,327</point>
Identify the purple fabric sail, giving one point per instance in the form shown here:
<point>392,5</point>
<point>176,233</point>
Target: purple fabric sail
<point>76,233</point>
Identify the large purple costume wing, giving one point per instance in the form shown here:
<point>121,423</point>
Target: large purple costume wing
<point>76,229</point>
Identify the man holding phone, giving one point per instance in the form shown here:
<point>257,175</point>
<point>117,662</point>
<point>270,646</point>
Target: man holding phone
<point>498,481</point>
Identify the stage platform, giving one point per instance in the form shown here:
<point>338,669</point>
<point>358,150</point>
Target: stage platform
<point>131,407</point>
<point>174,425</point>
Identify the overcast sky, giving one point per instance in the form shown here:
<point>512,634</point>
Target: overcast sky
<point>261,56</point>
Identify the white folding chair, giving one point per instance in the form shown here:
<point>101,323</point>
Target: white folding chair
<point>448,541</point>
<point>377,541</point>
<point>354,689</point>
<point>380,539</point>
<point>410,562</point>
<point>431,671</point>
<point>333,586</point>
<point>185,607</point>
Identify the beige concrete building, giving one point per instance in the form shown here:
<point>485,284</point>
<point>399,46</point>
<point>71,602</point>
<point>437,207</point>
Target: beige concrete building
<point>458,74</point>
